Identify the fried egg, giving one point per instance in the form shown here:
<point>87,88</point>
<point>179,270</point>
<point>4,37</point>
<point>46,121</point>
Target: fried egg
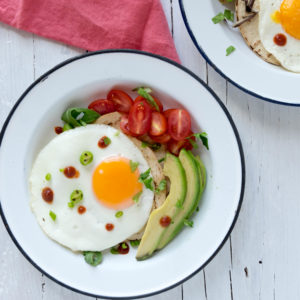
<point>279,30</point>
<point>85,188</point>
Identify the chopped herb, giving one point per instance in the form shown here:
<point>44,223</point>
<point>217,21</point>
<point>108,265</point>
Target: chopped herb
<point>161,160</point>
<point>107,140</point>
<point>93,258</point>
<point>197,209</point>
<point>67,127</point>
<point>193,143</point>
<point>136,197</point>
<point>75,198</point>
<point>145,93</point>
<point>124,246</point>
<point>229,15</point>
<point>202,136</point>
<point>117,133</point>
<point>229,50</point>
<point>119,214</point>
<point>133,166</point>
<point>154,147</point>
<point>48,177</point>
<point>162,186</point>
<point>179,204</point>
<point>189,223</point>
<point>135,243</point>
<point>86,158</point>
<point>144,175</point>
<point>149,183</point>
<point>114,250</point>
<point>61,170</point>
<point>218,18</point>
<point>52,215</point>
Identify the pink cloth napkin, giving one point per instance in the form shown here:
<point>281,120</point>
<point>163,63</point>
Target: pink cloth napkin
<point>94,24</point>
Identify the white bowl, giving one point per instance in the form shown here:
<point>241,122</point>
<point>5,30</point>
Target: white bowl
<point>76,82</point>
<point>243,67</point>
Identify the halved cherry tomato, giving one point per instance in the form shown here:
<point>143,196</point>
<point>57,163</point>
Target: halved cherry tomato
<point>160,106</point>
<point>158,124</point>
<point>162,139</point>
<point>179,124</point>
<point>167,112</point>
<point>102,106</point>
<point>188,145</point>
<point>139,119</point>
<point>124,125</point>
<point>122,100</point>
<point>175,146</point>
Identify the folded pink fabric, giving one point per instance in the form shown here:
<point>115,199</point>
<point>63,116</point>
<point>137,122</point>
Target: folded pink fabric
<point>94,24</point>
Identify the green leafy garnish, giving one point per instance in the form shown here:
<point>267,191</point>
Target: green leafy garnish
<point>189,223</point>
<point>193,143</point>
<point>161,160</point>
<point>135,243</point>
<point>48,177</point>
<point>154,147</point>
<point>124,246</point>
<point>119,214</point>
<point>229,50</point>
<point>61,170</point>
<point>144,175</point>
<point>227,15</point>
<point>117,133</point>
<point>106,140</point>
<point>145,93</point>
<point>201,136</point>
<point>67,127</point>
<point>149,183</point>
<point>162,186</point>
<point>218,18</point>
<point>52,215</point>
<point>114,250</point>
<point>136,197</point>
<point>179,204</point>
<point>86,158</point>
<point>93,258</point>
<point>77,116</point>
<point>76,197</point>
<point>133,166</point>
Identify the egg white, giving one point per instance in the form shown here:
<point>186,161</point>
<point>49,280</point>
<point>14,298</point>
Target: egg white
<point>86,231</point>
<point>288,55</point>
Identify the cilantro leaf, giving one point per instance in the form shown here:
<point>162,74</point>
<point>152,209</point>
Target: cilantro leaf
<point>162,186</point>
<point>145,93</point>
<point>133,165</point>
<point>136,197</point>
<point>189,223</point>
<point>229,50</point>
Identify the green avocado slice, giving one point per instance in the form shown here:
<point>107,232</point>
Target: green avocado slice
<point>194,188</point>
<point>154,231</point>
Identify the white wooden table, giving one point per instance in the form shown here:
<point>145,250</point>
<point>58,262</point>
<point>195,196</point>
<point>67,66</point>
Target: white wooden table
<point>261,260</point>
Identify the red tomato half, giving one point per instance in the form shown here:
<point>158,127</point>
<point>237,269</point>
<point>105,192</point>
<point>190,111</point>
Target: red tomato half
<point>139,119</point>
<point>122,100</point>
<point>160,106</point>
<point>102,106</point>
<point>175,146</point>
<point>158,124</point>
<point>124,125</point>
<point>162,139</point>
<point>167,112</point>
<point>179,124</point>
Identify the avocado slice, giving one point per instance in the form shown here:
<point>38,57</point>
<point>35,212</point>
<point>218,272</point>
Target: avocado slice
<point>194,188</point>
<point>202,171</point>
<point>154,231</point>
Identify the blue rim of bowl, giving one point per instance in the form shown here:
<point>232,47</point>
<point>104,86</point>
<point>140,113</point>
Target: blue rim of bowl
<point>205,56</point>
<point>68,61</point>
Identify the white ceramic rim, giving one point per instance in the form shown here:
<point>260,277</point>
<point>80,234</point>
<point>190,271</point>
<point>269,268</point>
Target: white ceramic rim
<point>236,134</point>
<point>217,31</point>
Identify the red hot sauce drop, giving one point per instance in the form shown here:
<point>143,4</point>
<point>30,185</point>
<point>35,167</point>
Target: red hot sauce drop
<point>104,142</point>
<point>165,221</point>
<point>109,226</point>
<point>47,195</point>
<point>81,209</point>
<point>71,172</point>
<point>280,39</point>
<point>58,129</point>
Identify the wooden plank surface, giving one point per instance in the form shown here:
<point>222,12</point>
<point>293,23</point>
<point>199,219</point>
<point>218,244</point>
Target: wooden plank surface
<point>261,258</point>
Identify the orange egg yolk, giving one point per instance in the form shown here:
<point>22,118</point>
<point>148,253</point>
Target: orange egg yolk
<point>289,17</point>
<point>114,183</point>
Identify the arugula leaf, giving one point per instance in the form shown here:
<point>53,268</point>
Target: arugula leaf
<point>136,197</point>
<point>133,165</point>
<point>201,136</point>
<point>77,116</point>
<point>189,223</point>
<point>229,50</point>
<point>162,186</point>
<point>93,258</point>
<point>145,93</point>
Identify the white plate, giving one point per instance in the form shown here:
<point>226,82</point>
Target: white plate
<point>76,82</point>
<point>243,67</point>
